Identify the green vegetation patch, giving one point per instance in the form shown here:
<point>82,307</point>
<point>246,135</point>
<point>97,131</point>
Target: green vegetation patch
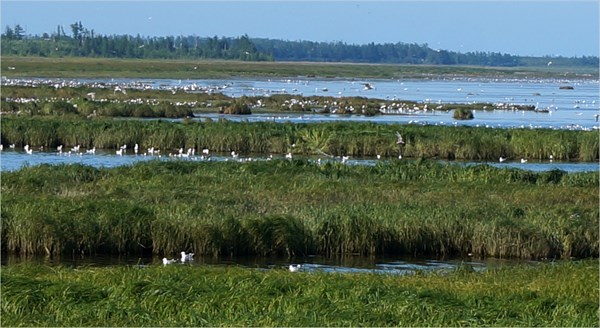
<point>552,295</point>
<point>297,208</point>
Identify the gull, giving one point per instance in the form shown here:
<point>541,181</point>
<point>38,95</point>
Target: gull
<point>400,140</point>
<point>523,161</point>
<point>186,257</point>
<point>167,261</point>
<point>295,267</point>
<point>502,159</point>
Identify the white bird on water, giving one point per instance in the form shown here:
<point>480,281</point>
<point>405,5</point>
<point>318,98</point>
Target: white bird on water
<point>502,159</point>
<point>295,267</point>
<point>186,257</point>
<point>523,161</point>
<point>167,261</point>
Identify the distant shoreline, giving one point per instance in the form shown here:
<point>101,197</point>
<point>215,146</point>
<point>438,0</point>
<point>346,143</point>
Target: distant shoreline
<point>85,67</point>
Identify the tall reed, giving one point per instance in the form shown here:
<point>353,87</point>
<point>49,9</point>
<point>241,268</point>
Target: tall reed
<point>296,208</point>
<point>356,139</point>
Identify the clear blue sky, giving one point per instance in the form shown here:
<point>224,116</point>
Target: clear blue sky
<point>534,27</point>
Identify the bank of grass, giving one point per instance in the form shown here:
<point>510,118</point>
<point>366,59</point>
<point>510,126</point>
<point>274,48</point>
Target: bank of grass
<point>297,208</point>
<point>76,67</point>
<point>550,295</point>
<point>338,138</point>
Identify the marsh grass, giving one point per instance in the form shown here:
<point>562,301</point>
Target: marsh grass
<point>70,67</point>
<point>348,139</point>
<point>524,295</point>
<point>297,208</point>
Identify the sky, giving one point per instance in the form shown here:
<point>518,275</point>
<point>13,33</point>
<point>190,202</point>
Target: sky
<point>528,27</point>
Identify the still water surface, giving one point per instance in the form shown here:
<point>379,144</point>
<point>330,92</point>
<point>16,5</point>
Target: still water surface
<point>350,264</point>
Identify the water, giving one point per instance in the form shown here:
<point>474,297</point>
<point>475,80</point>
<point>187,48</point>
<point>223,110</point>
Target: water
<point>15,159</point>
<point>567,109</point>
<point>350,264</point>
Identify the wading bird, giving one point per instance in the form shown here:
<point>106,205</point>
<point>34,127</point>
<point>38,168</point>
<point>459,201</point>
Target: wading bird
<point>400,140</point>
<point>167,261</point>
<point>295,267</point>
<point>186,257</point>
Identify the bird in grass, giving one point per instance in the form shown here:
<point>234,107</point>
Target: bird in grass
<point>186,257</point>
<point>295,267</point>
<point>400,141</point>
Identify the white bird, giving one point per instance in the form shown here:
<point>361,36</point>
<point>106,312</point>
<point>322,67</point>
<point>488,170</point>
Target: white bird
<point>502,159</point>
<point>295,267</point>
<point>368,86</point>
<point>523,161</point>
<point>378,156</point>
<point>186,257</point>
<point>119,152</point>
<point>135,148</point>
<point>59,149</point>
<point>167,261</point>
<point>205,151</point>
<point>91,151</point>
<point>551,158</point>
<point>234,154</point>
<point>11,146</point>
<point>288,155</point>
<point>28,150</point>
<point>400,140</point>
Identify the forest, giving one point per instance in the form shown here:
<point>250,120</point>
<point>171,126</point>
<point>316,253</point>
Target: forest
<point>80,41</point>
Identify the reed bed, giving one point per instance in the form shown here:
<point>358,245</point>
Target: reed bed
<point>298,208</point>
<point>524,295</point>
<point>348,139</point>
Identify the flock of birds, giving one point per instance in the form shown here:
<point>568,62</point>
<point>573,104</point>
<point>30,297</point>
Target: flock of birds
<point>206,155</point>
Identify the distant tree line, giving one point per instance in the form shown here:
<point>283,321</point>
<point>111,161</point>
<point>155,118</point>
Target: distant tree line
<point>84,42</point>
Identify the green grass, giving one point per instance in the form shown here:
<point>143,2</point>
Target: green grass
<point>340,138</point>
<point>551,295</point>
<point>71,67</point>
<point>295,208</point>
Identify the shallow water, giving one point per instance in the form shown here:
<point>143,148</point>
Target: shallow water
<point>349,264</point>
<point>568,109</point>
<point>15,159</point>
